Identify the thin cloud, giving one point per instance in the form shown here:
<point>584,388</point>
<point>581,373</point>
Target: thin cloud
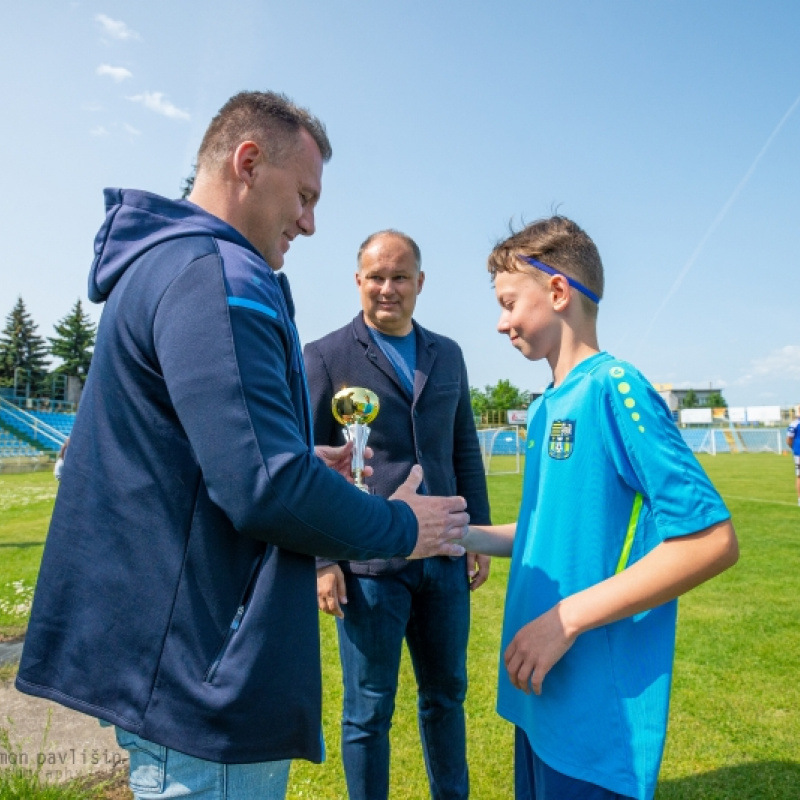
<point>781,363</point>
<point>156,101</point>
<point>116,29</point>
<point>718,220</point>
<point>98,131</point>
<point>130,129</point>
<point>117,74</point>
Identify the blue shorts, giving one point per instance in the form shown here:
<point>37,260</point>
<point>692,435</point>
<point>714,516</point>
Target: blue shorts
<point>534,780</point>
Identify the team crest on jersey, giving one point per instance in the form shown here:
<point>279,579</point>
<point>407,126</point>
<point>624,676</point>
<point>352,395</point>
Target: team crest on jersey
<point>562,439</point>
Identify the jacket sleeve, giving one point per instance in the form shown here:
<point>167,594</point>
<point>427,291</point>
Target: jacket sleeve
<point>467,459</point>
<point>228,371</point>
<point>320,390</point>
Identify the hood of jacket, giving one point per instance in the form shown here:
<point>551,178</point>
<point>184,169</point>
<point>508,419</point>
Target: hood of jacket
<point>135,222</point>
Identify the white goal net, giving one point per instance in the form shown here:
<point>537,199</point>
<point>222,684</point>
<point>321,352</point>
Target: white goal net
<point>735,440</point>
<point>501,449</point>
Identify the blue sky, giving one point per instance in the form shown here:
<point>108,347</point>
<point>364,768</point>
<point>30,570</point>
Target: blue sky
<point>669,130</point>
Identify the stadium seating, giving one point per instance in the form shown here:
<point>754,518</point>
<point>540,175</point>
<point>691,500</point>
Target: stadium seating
<point>61,422</point>
<point>14,446</point>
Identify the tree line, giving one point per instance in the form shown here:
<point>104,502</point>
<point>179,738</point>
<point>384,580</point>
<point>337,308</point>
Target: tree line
<point>25,356</point>
<point>491,405</point>
<point>25,361</point>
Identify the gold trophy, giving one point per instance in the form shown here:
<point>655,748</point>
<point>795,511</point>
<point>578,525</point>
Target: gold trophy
<point>355,408</point>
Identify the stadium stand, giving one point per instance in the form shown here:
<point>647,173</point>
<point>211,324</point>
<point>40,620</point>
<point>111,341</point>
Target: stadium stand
<point>31,433</point>
<point>735,440</point>
<point>12,446</point>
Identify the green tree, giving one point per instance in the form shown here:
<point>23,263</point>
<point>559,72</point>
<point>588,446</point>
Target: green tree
<point>498,399</point>
<point>188,183</point>
<point>716,400</point>
<point>479,401</point>
<point>73,342</point>
<point>504,397</point>
<point>21,348</point>
<point>690,399</point>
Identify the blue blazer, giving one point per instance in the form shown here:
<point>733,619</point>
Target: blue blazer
<point>435,428</point>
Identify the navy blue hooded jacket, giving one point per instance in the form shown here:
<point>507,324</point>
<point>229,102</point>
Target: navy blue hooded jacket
<point>176,597</point>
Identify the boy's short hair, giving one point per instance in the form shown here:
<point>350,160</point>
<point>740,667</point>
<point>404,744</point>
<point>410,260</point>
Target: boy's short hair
<point>270,119</point>
<point>559,243</point>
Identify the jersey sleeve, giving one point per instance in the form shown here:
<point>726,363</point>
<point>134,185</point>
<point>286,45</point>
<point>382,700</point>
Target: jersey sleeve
<point>651,457</point>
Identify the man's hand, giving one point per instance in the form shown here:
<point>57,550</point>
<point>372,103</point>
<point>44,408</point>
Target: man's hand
<point>331,590</point>
<point>340,459</point>
<point>534,650</point>
<point>441,521</point>
<point>477,570</point>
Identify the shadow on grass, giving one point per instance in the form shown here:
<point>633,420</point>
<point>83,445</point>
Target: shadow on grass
<point>21,544</point>
<point>765,780</point>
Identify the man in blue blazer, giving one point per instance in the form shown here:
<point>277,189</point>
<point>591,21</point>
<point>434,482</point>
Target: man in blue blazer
<point>426,418</point>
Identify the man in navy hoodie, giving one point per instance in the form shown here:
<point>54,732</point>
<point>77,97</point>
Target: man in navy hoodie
<point>176,597</point>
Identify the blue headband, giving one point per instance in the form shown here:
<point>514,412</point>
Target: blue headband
<point>571,281</point>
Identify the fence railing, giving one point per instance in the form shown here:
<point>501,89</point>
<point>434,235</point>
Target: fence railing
<point>31,425</point>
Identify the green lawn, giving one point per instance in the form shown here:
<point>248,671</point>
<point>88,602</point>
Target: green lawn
<point>26,502</point>
<point>735,719</point>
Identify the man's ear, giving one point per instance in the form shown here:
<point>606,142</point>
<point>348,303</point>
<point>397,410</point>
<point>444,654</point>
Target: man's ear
<point>420,281</point>
<point>245,159</point>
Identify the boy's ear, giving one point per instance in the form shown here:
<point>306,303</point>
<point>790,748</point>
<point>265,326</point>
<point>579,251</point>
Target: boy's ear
<point>560,292</point>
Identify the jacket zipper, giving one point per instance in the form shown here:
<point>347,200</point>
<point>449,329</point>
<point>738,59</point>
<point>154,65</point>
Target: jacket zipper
<point>234,626</point>
<point>237,621</point>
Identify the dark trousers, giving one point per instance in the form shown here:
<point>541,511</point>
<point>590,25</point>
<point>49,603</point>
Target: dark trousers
<point>427,603</point>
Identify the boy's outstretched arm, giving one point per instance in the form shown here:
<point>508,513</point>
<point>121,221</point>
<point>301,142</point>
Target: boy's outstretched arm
<point>669,570</point>
<point>490,540</point>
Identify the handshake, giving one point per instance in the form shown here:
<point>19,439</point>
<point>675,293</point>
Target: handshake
<point>441,521</point>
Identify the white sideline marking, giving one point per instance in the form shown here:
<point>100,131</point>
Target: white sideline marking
<point>760,500</point>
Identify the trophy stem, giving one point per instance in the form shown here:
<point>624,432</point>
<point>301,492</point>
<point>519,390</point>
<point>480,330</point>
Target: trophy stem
<point>358,480</point>
<point>355,408</point>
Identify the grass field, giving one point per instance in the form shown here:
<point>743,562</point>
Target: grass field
<point>735,717</point>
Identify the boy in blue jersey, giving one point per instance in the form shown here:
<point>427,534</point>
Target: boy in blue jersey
<point>617,520</point>
<point>793,440</point>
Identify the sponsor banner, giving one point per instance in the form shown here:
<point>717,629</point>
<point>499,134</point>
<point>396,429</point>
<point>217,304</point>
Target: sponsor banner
<point>763,413</point>
<point>738,414</point>
<point>695,416</point>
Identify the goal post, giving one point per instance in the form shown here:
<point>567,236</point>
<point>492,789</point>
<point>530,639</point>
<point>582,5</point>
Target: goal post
<point>734,440</point>
<point>501,449</point>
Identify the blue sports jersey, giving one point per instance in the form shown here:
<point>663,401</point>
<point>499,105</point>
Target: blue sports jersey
<point>604,459</point>
<point>794,430</point>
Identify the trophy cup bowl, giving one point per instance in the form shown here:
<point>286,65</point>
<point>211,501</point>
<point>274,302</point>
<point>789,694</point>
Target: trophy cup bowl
<point>355,408</point>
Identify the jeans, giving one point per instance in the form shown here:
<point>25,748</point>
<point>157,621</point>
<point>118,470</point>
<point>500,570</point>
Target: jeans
<point>534,780</point>
<point>428,604</point>
<point>158,773</point>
